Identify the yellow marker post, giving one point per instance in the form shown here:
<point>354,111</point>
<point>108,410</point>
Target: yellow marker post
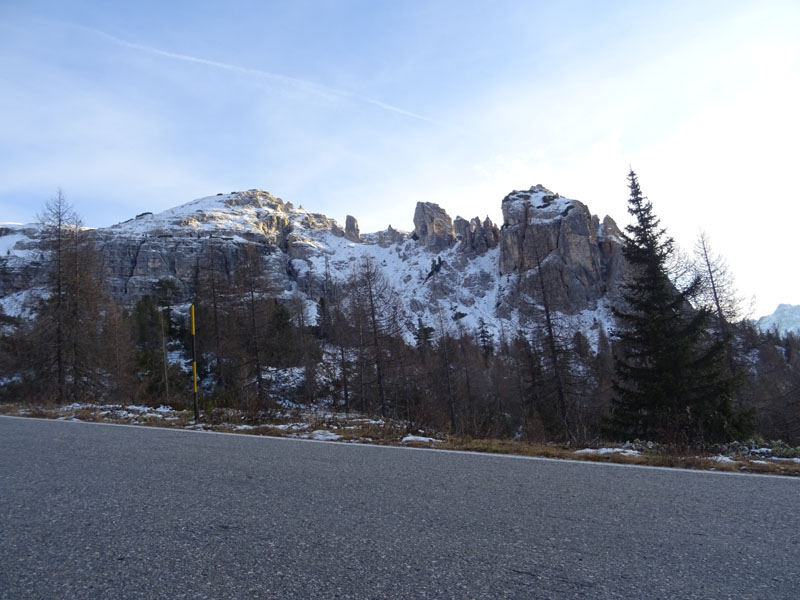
<point>194,368</point>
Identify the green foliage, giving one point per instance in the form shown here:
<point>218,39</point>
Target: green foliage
<point>146,325</point>
<point>485,338</point>
<point>423,335</point>
<point>670,384</point>
<point>159,380</point>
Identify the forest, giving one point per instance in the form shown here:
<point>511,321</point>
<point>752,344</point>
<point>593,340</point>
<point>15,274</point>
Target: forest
<point>682,366</point>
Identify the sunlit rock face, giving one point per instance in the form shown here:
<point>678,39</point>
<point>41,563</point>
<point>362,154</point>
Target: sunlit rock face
<point>351,231</point>
<point>579,257</point>
<point>179,243</point>
<point>433,227</point>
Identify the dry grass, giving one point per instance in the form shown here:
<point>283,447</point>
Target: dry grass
<point>497,446</point>
<point>352,428</point>
<point>27,410</point>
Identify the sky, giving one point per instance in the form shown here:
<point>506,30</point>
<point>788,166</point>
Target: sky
<point>366,108</point>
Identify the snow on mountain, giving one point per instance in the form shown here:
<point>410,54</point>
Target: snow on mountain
<point>451,276</point>
<point>15,240</point>
<point>229,213</point>
<point>785,320</point>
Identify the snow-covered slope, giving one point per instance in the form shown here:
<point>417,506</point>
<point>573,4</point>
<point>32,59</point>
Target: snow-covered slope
<point>19,254</point>
<point>785,320</point>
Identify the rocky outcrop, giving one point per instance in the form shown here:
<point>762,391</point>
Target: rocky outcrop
<point>580,260</point>
<point>433,227</point>
<point>474,237</point>
<point>21,259</point>
<point>254,198</point>
<point>351,229</point>
<point>389,237</point>
<point>177,244</point>
<point>615,268</point>
<point>134,265</point>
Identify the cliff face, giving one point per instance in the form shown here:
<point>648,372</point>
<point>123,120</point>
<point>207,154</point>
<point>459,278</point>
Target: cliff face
<point>433,227</point>
<point>466,270</point>
<point>21,261</point>
<point>579,256</point>
<point>171,245</point>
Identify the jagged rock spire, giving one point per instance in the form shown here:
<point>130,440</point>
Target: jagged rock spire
<point>433,227</point>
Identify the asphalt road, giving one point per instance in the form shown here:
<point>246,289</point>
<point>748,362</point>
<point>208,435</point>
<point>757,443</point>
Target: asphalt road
<point>101,511</point>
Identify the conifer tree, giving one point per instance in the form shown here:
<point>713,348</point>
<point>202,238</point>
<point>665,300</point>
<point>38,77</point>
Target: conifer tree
<point>670,384</point>
<point>485,338</point>
<point>423,336</point>
<point>66,337</point>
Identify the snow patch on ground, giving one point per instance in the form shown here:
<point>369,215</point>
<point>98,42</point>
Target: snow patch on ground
<point>322,435</point>
<point>291,426</point>
<point>7,243</point>
<point>621,451</point>
<point>21,304</point>
<point>418,438</point>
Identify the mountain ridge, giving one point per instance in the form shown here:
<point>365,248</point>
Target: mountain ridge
<point>470,271</point>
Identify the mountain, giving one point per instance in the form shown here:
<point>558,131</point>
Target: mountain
<point>457,272</point>
<point>785,320</point>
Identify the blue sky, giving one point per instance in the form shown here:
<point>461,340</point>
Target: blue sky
<point>367,107</point>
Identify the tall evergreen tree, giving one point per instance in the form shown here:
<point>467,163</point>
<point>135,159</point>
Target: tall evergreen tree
<point>423,336</point>
<point>670,383</point>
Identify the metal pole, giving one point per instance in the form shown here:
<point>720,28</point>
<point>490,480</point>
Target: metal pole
<point>166,356</point>
<point>194,368</point>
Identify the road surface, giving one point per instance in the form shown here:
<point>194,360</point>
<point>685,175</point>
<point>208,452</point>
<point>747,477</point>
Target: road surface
<point>102,511</point>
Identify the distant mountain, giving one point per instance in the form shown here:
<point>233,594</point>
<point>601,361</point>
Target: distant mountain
<point>785,319</point>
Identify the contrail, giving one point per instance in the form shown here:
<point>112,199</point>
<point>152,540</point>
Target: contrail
<point>303,84</point>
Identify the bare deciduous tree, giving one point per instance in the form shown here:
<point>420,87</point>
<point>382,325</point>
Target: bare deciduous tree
<point>718,292</point>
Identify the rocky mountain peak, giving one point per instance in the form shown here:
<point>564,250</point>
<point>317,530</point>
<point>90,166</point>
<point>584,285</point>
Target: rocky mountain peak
<point>351,231</point>
<point>535,190</point>
<point>255,198</point>
<point>433,227</point>
<point>542,230</point>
